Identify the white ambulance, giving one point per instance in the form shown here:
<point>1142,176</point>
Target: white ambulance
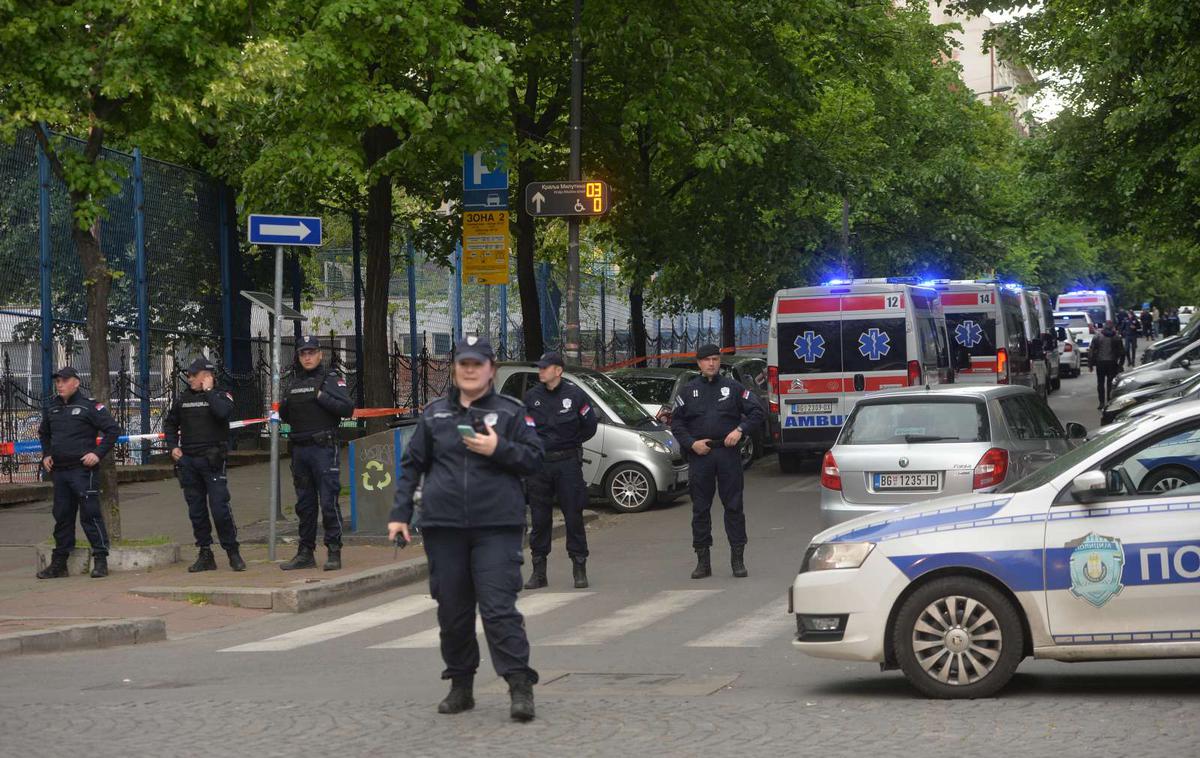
<point>829,345</point>
<point>987,333</point>
<point>1096,303</point>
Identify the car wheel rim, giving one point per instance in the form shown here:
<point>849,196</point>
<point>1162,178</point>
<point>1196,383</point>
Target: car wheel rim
<point>1169,483</point>
<point>748,450</point>
<point>957,640</point>
<point>630,489</point>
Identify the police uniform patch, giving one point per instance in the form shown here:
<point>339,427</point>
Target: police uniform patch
<point>77,411</point>
<point>1096,565</point>
<point>491,419</point>
<point>585,410</point>
<point>567,403</point>
<point>724,392</point>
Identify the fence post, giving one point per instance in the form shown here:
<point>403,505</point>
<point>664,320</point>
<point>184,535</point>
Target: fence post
<point>603,312</point>
<point>458,318</point>
<point>44,252</point>
<point>226,277</point>
<point>503,322</point>
<point>412,325</point>
<point>356,247</point>
<point>143,296</point>
<point>297,286</point>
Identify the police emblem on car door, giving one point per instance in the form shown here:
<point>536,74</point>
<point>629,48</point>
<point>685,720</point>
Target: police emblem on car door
<point>1096,565</point>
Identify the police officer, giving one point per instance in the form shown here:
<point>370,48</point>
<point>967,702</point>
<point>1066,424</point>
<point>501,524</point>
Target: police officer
<point>565,420</point>
<point>712,414</point>
<point>314,405</point>
<point>472,447</point>
<point>200,416</point>
<point>72,456</point>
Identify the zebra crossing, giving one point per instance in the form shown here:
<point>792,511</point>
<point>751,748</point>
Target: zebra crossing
<point>767,624</point>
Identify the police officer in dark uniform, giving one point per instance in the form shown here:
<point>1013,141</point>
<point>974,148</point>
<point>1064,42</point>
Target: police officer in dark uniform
<point>72,456</point>
<point>565,420</point>
<point>314,406</point>
<point>472,447</point>
<point>200,416</point>
<point>711,415</point>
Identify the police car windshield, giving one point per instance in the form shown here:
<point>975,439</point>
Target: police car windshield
<point>901,422</point>
<point>1107,436</point>
<point>628,410</point>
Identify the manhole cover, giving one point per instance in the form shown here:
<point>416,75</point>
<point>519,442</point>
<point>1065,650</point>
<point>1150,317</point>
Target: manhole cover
<point>591,682</point>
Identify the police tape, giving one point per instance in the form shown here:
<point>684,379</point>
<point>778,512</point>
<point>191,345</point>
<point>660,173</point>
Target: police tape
<point>35,446</point>
<point>676,356</point>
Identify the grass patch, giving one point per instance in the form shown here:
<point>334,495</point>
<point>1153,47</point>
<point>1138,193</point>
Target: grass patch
<point>151,541</point>
<point>196,598</point>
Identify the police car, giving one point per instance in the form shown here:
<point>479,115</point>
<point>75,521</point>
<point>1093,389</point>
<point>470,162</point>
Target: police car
<point>830,344</point>
<point>1093,557</point>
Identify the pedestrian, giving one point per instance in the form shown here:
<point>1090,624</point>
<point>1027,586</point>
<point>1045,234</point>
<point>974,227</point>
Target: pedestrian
<point>564,420</point>
<point>1105,356</point>
<point>1156,318</point>
<point>471,448</point>
<point>72,455</point>
<point>712,414</point>
<point>314,406</point>
<point>1130,335</point>
<point>197,433</point>
<point>1147,325</point>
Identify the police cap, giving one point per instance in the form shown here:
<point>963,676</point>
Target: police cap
<point>201,364</point>
<point>550,359</point>
<point>66,372</point>
<point>474,348</point>
<point>707,351</point>
<point>308,343</point>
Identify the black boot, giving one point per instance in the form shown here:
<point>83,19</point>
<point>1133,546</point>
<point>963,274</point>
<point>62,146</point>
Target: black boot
<point>703,564</point>
<point>579,570</point>
<point>99,566</point>
<point>204,561</point>
<point>334,561</point>
<point>737,560</point>
<point>520,691</point>
<point>537,576</point>
<point>461,697</point>
<point>235,560</point>
<point>303,560</point>
<point>56,570</point>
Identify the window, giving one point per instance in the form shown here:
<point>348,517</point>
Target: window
<point>647,389</point>
<point>441,343</point>
<point>973,331</point>
<point>1046,425</point>
<point>1167,462</point>
<point>628,411</point>
<point>755,373</point>
<point>1018,417</point>
<point>810,347</point>
<point>917,421</point>
<point>516,385</point>
<point>877,344</point>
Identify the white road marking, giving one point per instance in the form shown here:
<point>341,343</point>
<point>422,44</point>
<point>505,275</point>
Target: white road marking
<point>630,618</point>
<point>528,605</point>
<point>355,622</point>
<point>762,625</point>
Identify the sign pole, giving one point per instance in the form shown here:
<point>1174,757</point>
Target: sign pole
<point>276,349</point>
<point>572,346</point>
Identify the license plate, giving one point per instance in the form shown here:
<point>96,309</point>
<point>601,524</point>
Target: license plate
<point>915,481</point>
<point>802,408</point>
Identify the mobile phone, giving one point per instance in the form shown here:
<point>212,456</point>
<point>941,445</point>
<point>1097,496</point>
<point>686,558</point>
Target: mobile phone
<point>465,431</point>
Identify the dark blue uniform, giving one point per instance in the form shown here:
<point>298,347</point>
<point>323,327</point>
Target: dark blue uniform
<point>68,432</point>
<point>314,406</point>
<point>565,420</point>
<point>472,518</point>
<point>711,409</point>
<point>198,424</point>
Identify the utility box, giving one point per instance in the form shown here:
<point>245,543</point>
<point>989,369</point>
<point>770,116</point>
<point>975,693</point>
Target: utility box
<point>374,470</point>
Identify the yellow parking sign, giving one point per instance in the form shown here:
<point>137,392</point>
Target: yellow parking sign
<point>485,247</point>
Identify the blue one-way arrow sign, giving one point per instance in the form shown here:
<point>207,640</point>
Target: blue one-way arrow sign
<point>284,230</point>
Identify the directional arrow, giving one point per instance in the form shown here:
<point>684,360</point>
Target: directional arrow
<point>298,230</point>
<point>538,199</point>
<point>264,229</point>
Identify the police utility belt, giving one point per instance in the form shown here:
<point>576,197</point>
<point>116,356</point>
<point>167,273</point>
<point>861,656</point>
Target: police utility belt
<point>563,455</point>
<point>320,438</point>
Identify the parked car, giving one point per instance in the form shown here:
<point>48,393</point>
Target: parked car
<point>1185,315</point>
<point>1156,351</point>
<point>750,369</point>
<point>1080,328</point>
<point>1182,365</point>
<point>633,462</point>
<point>902,446</point>
<point>1090,558</point>
<point>1140,402</point>
<point>1070,356</point>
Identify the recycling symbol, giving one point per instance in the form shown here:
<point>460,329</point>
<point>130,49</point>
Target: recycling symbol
<point>384,481</point>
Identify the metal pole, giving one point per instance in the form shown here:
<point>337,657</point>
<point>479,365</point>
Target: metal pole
<point>504,321</point>
<point>226,277</point>
<point>46,296</point>
<point>276,349</point>
<point>487,312</point>
<point>412,326</point>
<point>356,244</point>
<point>458,318</point>
<point>572,346</point>
<point>297,286</point>
<point>143,295</point>
<point>603,312</point>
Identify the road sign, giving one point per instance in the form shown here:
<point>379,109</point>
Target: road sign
<point>586,198</point>
<point>485,247</point>
<point>484,188</point>
<point>284,230</point>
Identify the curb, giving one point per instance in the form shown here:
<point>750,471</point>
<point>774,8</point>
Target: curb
<point>89,636</point>
<point>302,599</point>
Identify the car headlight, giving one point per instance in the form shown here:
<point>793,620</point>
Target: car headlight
<point>655,445</point>
<point>836,555</point>
<point>1120,403</point>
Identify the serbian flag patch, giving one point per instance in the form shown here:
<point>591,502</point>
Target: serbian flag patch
<point>529,421</point>
<point>341,382</point>
<point>99,406</point>
<point>585,410</point>
<point>745,394</point>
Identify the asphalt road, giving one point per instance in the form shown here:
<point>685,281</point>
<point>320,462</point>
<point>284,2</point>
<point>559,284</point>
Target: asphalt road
<point>647,661</point>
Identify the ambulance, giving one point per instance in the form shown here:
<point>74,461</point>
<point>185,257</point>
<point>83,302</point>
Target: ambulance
<point>830,344</point>
<point>986,328</point>
<point>1096,303</point>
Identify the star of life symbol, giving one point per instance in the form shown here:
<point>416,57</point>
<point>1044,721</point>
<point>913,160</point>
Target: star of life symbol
<point>968,334</point>
<point>809,347</point>
<point>874,344</point>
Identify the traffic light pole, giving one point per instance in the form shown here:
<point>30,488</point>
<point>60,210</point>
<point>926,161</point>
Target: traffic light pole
<point>572,346</point>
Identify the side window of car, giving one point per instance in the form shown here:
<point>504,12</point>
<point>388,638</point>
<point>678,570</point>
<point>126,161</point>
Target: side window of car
<point>515,385</point>
<point>1046,425</point>
<point>1164,464</point>
<point>1016,415</point>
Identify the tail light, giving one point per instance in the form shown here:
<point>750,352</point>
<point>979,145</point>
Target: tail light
<point>831,478</point>
<point>1001,366</point>
<point>991,469</point>
<point>773,388</point>
<point>914,374</point>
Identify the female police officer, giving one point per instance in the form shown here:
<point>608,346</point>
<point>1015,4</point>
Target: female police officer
<point>472,447</point>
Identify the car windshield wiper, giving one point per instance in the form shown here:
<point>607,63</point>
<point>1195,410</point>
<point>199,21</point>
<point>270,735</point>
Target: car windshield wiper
<point>911,438</point>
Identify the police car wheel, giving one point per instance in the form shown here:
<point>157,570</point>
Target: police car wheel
<point>1169,478</point>
<point>748,450</point>
<point>958,637</point>
<point>629,488</point>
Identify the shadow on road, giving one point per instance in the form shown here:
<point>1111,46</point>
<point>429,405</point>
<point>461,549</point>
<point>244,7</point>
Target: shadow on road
<point>892,684</point>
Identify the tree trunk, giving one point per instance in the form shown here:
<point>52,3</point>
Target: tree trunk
<point>637,322</point>
<point>728,319</point>
<point>377,142</point>
<point>531,315</point>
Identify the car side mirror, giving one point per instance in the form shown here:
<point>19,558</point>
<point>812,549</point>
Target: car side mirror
<point>1089,486</point>
<point>1185,362</point>
<point>1076,431</point>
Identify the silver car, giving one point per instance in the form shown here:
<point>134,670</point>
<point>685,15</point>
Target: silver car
<point>906,445</point>
<point>633,461</point>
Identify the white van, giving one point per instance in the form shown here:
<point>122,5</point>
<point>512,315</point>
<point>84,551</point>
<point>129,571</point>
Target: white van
<point>829,345</point>
<point>987,333</point>
<point>1097,303</point>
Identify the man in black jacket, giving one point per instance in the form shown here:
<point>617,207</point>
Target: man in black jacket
<point>197,433</point>
<point>472,448</point>
<point>72,456</point>
<point>1105,356</point>
<point>712,413</point>
<point>314,406</point>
